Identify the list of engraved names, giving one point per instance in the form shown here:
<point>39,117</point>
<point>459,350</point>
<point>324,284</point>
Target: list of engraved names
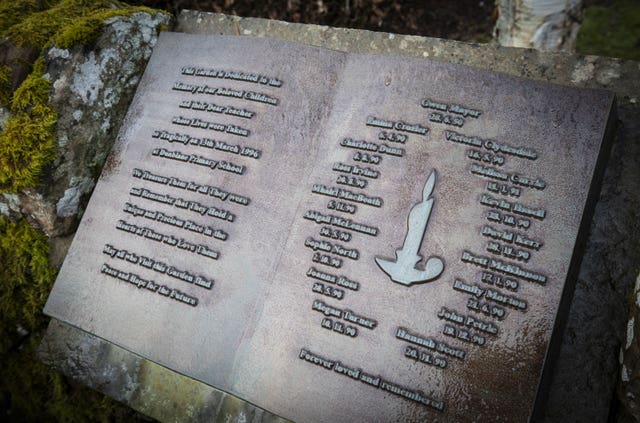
<point>506,259</point>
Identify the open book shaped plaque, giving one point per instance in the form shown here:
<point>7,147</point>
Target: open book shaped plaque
<point>339,237</point>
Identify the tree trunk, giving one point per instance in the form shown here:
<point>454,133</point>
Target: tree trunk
<point>540,24</point>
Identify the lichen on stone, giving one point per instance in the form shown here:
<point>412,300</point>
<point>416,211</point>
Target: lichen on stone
<point>69,204</point>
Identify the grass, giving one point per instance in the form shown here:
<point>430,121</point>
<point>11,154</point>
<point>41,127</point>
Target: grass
<point>611,31</point>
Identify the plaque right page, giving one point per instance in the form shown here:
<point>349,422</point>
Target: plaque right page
<point>430,251</point>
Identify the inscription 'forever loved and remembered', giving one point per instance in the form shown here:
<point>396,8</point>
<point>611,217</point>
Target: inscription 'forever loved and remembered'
<point>386,235</point>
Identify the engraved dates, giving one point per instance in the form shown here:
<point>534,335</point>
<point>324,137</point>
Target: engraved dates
<point>486,308</point>
<point>339,327</point>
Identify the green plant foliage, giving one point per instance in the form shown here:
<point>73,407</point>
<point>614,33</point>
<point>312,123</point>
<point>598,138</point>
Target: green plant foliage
<point>611,31</point>
<point>27,143</point>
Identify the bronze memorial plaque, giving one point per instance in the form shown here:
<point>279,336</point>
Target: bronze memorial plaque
<point>339,237</point>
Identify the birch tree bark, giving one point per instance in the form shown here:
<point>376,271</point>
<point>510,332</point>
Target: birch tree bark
<point>540,24</point>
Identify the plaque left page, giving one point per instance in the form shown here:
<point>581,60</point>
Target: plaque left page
<point>202,183</point>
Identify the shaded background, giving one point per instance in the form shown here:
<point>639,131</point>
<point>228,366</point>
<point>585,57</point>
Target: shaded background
<point>610,27</point>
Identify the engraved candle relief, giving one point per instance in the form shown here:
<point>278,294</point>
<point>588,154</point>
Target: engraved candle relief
<point>405,269</point>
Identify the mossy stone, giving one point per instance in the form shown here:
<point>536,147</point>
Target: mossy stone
<point>27,143</point>
<point>30,391</point>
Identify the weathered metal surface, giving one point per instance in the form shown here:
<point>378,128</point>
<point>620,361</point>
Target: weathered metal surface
<point>234,234</point>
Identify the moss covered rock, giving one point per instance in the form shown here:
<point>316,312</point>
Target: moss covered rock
<point>68,70</point>
<point>65,114</point>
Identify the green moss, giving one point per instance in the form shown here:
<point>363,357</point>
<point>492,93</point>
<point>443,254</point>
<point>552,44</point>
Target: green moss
<point>38,29</point>
<point>26,277</point>
<point>27,143</point>
<point>68,22</point>
<point>87,28</point>
<point>39,394</point>
<point>5,85</point>
<point>13,12</point>
<point>29,390</point>
<point>611,31</point>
